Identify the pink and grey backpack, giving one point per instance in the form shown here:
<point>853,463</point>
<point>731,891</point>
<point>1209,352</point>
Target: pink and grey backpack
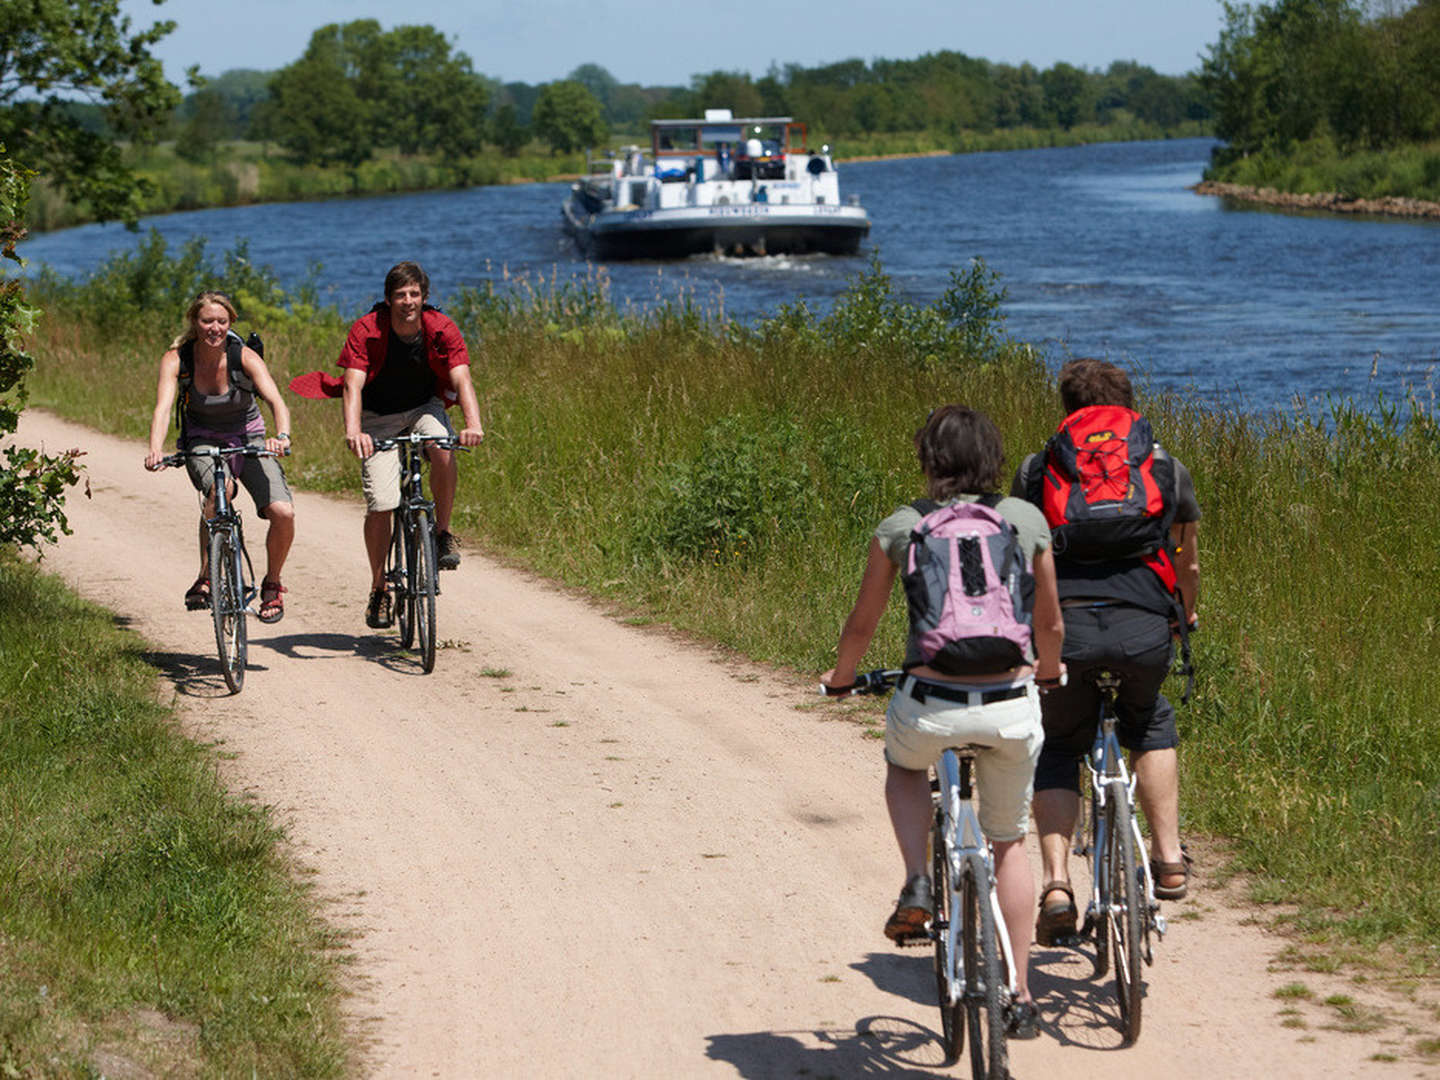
<point>970,590</point>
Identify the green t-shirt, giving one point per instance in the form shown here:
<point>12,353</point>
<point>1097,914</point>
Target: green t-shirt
<point>894,532</point>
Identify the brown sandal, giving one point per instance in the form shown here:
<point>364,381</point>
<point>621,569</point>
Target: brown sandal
<point>272,607</point>
<point>197,597</point>
<point>1056,921</point>
<point>1160,869</point>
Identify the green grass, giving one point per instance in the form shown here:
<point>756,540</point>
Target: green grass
<point>242,173</point>
<point>723,479</point>
<point>1318,166</point>
<point>146,917</point>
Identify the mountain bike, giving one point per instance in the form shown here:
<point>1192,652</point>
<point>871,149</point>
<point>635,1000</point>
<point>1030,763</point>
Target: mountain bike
<point>410,566</point>
<point>1123,912</point>
<point>232,577</point>
<point>974,966</point>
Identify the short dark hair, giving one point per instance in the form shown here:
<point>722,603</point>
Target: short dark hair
<point>1087,381</point>
<point>407,273</point>
<point>961,452</point>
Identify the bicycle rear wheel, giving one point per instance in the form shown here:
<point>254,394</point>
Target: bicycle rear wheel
<point>1100,924</point>
<point>984,981</point>
<point>422,575</point>
<point>227,605</point>
<point>952,1017</point>
<point>1126,916</point>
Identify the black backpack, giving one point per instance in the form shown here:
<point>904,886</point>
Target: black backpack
<point>233,348</point>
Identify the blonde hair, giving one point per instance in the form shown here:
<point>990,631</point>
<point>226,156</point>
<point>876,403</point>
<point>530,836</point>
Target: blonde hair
<point>192,315</point>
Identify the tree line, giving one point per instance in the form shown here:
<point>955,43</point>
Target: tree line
<point>1363,74</point>
<point>358,87</point>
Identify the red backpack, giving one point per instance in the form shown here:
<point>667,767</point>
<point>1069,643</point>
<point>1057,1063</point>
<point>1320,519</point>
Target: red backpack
<point>1106,494</point>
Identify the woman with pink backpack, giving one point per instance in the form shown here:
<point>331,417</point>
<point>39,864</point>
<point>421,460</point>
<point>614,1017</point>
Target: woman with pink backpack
<point>985,628</point>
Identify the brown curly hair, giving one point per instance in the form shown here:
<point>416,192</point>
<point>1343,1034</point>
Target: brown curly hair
<point>961,452</point>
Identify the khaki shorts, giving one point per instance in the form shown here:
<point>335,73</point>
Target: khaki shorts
<point>261,477</point>
<point>917,733</point>
<point>380,473</point>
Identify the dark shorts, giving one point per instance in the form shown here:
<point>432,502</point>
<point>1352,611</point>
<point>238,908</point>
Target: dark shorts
<point>1135,645</point>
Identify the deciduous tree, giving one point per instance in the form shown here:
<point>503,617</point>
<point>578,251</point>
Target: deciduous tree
<point>56,52</point>
<point>568,117</point>
<point>32,483</point>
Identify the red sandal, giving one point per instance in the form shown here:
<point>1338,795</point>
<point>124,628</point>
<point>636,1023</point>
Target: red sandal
<point>272,607</point>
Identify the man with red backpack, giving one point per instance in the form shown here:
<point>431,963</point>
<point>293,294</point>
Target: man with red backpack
<point>1124,519</point>
<point>405,362</point>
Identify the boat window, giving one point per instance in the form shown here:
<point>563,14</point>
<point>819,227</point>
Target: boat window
<point>729,133</point>
<point>678,138</point>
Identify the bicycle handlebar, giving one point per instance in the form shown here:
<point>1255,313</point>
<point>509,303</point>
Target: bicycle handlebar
<point>869,682</point>
<point>444,442</point>
<point>179,457</point>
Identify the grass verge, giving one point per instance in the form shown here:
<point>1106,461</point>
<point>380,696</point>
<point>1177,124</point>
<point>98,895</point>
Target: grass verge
<point>149,923</point>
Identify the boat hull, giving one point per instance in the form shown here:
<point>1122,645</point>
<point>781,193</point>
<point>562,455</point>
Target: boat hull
<point>747,229</point>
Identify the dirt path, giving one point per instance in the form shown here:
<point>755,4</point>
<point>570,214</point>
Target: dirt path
<point>582,849</point>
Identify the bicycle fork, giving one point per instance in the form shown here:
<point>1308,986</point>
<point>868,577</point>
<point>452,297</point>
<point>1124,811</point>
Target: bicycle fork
<point>965,831</point>
<point>1099,871</point>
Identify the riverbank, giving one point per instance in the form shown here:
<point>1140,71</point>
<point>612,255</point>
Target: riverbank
<point>1329,201</point>
<point>248,173</point>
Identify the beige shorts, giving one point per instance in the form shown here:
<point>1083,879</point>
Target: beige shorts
<point>380,473</point>
<point>916,733</point>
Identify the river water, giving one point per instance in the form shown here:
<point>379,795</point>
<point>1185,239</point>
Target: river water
<point>1102,251</point>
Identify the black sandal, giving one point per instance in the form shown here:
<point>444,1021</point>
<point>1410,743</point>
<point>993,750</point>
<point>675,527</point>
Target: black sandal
<point>197,597</point>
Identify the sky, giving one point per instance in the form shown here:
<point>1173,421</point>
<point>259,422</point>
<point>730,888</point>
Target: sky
<point>665,42</point>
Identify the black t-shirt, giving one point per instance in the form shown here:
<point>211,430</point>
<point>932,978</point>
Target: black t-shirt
<point>404,382</point>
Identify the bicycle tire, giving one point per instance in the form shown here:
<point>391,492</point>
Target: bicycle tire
<point>952,1016</point>
<point>422,570</point>
<point>984,994</point>
<point>397,574</point>
<point>227,606</point>
<point>1126,920</point>
<point>1100,926</point>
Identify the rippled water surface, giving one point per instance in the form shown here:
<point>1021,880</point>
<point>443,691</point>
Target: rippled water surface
<point>1102,251</point>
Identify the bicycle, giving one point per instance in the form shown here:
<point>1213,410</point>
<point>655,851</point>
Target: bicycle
<point>232,577</point>
<point>410,564</point>
<point>1123,911</point>
<point>974,965</point>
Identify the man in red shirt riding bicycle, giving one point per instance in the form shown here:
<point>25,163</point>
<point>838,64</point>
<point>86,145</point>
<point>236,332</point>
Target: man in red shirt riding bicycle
<point>405,363</point>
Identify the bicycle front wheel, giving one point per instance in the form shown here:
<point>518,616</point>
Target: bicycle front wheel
<point>227,604</point>
<point>401,545</point>
<point>1126,916</point>
<point>952,1016</point>
<point>984,980</point>
<point>422,577</point>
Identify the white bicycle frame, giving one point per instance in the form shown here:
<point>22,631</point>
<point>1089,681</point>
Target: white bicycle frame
<point>1106,750</point>
<point>963,837</point>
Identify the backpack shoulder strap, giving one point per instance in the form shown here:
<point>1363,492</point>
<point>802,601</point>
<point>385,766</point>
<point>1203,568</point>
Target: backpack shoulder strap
<point>234,348</point>
<point>925,506</point>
